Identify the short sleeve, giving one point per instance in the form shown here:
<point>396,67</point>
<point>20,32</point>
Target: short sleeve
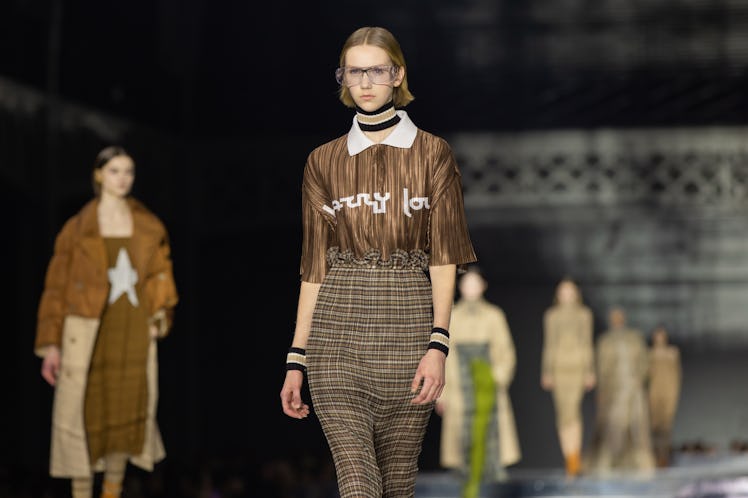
<point>449,239</point>
<point>317,225</point>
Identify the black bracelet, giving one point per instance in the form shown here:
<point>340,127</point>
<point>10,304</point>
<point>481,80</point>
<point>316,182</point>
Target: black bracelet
<point>296,359</point>
<point>439,340</point>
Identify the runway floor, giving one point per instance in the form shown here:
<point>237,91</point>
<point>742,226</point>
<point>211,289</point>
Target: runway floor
<point>699,477</point>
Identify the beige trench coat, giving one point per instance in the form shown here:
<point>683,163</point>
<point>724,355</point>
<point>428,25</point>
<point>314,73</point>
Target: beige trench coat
<point>479,322</point>
<point>69,446</point>
<point>664,386</point>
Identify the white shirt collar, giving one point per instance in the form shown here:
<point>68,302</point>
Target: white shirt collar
<point>402,136</point>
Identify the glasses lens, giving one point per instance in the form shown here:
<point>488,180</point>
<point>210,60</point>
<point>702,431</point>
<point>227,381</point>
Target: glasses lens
<point>380,74</point>
<point>352,76</point>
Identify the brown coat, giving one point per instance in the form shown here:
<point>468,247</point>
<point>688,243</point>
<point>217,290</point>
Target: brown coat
<point>77,283</point>
<point>75,293</point>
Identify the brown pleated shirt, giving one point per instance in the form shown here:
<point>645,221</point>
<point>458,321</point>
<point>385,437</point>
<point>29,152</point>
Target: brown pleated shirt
<point>384,197</point>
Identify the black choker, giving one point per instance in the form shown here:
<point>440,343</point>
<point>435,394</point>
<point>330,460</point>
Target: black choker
<point>381,119</point>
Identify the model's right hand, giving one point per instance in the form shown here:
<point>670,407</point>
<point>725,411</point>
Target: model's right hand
<point>290,395</point>
<point>51,365</point>
<point>439,407</point>
<point>546,382</point>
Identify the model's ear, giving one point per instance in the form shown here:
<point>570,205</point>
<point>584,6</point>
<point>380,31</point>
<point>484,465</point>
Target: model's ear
<point>400,76</point>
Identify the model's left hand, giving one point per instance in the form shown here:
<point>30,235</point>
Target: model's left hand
<point>51,365</point>
<point>590,381</point>
<point>429,377</point>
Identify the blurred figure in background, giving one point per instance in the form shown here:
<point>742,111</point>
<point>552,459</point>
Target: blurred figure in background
<point>568,366</point>
<point>108,296</point>
<point>664,392</point>
<point>621,438</point>
<point>478,436</point>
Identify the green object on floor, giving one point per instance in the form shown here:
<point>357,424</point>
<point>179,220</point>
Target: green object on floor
<point>485,401</point>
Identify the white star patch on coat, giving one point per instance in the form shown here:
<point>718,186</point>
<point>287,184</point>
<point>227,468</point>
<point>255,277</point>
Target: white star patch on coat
<point>123,278</point>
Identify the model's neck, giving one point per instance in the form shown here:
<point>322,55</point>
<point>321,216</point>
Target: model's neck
<point>378,120</point>
<point>112,202</point>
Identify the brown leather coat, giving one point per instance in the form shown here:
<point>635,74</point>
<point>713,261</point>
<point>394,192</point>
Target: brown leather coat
<point>76,282</point>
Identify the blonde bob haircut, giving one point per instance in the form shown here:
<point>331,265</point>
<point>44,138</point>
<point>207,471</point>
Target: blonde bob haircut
<point>382,38</point>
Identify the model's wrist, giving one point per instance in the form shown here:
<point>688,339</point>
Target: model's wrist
<point>439,340</point>
<point>296,359</point>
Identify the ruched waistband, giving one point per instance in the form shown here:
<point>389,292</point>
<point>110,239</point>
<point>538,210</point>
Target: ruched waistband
<point>372,258</point>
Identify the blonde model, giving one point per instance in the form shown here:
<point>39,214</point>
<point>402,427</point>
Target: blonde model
<point>568,368</point>
<point>384,234</point>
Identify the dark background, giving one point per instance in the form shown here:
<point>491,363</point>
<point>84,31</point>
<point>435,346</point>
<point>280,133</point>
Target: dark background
<point>219,104</point>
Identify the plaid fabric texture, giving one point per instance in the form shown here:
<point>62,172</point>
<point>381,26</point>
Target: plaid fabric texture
<point>116,403</point>
<point>370,329</point>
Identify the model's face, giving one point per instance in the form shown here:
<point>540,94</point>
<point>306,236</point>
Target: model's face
<point>617,319</point>
<point>367,95</point>
<point>567,293</point>
<point>116,176</point>
<point>659,338</point>
<point>472,286</point>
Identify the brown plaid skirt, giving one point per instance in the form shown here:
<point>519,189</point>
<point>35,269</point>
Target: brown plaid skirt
<point>116,403</point>
<point>370,329</point>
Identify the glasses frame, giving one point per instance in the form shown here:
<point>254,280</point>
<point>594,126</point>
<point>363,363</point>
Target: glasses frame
<point>340,74</point>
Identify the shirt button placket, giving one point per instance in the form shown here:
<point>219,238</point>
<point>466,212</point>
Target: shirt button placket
<point>379,167</point>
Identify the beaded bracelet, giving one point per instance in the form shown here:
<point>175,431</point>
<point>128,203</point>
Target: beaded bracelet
<point>439,340</point>
<point>296,359</point>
